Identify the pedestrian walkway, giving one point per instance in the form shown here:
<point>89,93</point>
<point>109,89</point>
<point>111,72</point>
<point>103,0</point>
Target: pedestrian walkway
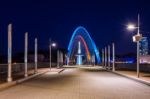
<point>19,77</point>
<point>78,83</point>
<point>145,77</point>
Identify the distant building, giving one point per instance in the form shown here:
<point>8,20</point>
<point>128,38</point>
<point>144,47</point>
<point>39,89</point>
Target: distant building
<point>143,46</point>
<point>145,59</point>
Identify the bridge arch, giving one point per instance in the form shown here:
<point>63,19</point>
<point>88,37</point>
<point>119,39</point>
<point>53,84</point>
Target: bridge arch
<point>81,34</point>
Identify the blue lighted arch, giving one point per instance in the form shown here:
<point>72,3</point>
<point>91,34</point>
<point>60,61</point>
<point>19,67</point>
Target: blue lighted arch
<point>81,31</point>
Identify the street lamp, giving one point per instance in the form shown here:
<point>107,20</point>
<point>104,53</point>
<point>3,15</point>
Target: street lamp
<point>131,27</point>
<point>136,38</point>
<point>52,44</point>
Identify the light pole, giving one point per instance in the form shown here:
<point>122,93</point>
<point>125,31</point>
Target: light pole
<point>35,55</point>
<point>26,55</point>
<point>108,57</point>
<point>113,50</point>
<point>103,57</point>
<point>58,58</point>
<point>9,78</point>
<point>67,60</point>
<point>50,48</point>
<point>136,38</point>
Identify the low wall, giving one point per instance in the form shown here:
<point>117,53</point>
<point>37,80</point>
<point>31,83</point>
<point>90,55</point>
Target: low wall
<point>127,66</point>
<point>19,67</point>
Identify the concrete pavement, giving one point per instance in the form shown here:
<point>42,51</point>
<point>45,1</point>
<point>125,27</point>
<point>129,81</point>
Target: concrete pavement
<point>143,78</point>
<point>19,77</point>
<point>80,83</point>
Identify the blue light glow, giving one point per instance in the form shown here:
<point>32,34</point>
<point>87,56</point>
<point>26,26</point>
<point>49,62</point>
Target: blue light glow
<point>90,43</point>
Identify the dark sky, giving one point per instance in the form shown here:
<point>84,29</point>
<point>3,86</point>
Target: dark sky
<point>57,19</point>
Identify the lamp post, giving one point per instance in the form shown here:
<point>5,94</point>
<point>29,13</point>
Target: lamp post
<point>52,44</point>
<point>35,55</point>
<point>108,57</point>
<point>136,38</point>
<point>9,78</point>
<point>26,55</point>
<point>113,50</point>
<point>103,57</point>
<point>58,58</point>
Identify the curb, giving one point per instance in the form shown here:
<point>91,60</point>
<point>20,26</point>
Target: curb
<point>133,78</point>
<point>29,77</point>
<point>61,70</point>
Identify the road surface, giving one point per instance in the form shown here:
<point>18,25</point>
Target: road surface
<point>78,84</point>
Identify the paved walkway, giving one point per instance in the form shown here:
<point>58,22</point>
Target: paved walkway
<point>143,76</point>
<point>78,84</point>
<point>20,75</point>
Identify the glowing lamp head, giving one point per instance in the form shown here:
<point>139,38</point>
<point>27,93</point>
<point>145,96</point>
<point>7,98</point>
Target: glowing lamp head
<point>131,27</point>
<point>53,44</point>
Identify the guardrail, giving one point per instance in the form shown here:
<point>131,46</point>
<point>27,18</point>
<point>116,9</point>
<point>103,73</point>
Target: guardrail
<point>129,66</point>
<point>19,67</point>
<point>16,67</point>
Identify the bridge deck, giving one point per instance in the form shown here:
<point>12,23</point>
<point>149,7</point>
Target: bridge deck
<point>78,83</point>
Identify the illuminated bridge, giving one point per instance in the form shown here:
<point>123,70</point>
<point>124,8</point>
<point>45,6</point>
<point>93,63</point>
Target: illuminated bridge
<point>84,82</point>
<point>88,47</point>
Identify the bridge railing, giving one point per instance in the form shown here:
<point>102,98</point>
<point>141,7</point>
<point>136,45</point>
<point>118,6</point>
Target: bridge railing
<point>19,67</point>
<point>16,67</point>
<point>132,66</point>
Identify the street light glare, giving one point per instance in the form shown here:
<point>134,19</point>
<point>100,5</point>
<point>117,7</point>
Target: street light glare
<point>54,44</point>
<point>131,27</point>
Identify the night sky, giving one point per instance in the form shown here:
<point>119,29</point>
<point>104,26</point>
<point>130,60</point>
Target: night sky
<point>57,19</point>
